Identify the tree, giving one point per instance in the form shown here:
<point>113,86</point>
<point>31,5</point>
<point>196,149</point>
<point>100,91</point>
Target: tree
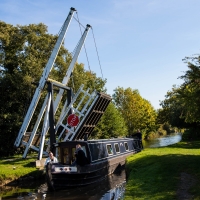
<point>181,107</point>
<point>88,78</point>
<point>191,89</point>
<point>173,108</point>
<point>111,124</point>
<point>24,51</point>
<point>137,112</point>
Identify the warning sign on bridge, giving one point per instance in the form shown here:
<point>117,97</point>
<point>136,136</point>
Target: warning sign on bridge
<point>73,120</point>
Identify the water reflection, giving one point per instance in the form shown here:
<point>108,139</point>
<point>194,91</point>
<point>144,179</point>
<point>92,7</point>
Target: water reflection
<point>163,141</point>
<point>115,194</point>
<point>112,188</point>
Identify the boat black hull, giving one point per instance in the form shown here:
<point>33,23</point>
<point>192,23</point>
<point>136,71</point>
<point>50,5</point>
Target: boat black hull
<point>86,175</point>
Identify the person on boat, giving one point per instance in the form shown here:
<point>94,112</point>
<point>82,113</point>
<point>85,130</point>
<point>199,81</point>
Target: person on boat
<point>139,136</point>
<point>81,159</point>
<point>51,158</point>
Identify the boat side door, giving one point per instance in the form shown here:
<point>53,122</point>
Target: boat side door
<point>69,155</point>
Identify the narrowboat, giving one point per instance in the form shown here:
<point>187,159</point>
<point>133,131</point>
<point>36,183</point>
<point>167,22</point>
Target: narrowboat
<point>104,156</point>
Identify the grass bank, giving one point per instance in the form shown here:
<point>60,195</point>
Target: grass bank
<point>17,168</point>
<point>171,172</point>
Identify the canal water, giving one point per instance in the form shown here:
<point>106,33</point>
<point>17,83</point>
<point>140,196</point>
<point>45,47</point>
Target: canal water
<point>112,188</point>
<point>163,141</point>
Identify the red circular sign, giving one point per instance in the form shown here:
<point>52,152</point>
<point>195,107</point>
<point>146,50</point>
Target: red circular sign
<point>72,120</point>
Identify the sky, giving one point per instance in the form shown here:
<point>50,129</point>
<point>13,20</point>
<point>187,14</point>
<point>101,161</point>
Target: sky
<point>140,44</point>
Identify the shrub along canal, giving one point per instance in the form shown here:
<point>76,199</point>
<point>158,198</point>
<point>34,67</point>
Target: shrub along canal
<point>112,187</point>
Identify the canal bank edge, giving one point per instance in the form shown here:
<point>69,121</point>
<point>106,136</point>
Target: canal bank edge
<point>37,175</point>
<point>13,172</point>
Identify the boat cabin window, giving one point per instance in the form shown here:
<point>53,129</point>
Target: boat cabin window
<point>109,149</point>
<point>98,151</point>
<point>117,148</point>
<point>126,146</point>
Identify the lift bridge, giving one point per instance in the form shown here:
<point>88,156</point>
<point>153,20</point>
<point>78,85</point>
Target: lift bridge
<point>87,106</point>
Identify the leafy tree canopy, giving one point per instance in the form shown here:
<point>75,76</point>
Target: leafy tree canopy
<point>181,107</point>
<point>112,124</point>
<point>137,112</point>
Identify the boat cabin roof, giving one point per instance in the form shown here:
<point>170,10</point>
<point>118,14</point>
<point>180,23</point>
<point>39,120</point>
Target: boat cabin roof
<point>109,140</point>
<point>82,142</point>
